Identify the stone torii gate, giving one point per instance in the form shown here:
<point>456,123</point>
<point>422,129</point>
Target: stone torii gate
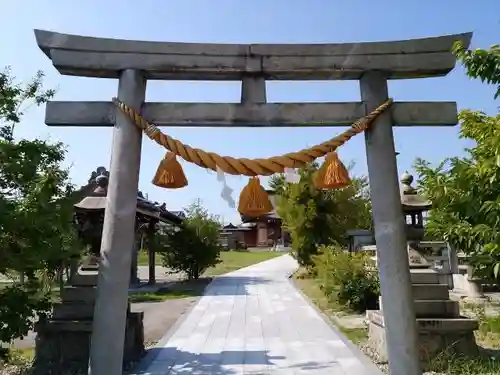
<point>134,62</point>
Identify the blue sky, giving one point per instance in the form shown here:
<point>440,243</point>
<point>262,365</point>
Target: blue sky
<point>238,21</point>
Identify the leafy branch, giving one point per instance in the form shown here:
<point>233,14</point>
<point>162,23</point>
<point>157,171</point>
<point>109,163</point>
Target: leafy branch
<point>483,64</point>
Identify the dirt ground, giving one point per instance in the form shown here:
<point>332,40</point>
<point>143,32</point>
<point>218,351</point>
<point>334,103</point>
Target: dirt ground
<point>159,317</point>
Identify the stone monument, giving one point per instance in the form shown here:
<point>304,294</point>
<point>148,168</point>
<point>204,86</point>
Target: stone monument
<point>440,326</point>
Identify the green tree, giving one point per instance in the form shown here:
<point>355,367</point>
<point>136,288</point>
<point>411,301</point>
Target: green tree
<point>465,194</point>
<point>483,64</point>
<point>320,217</point>
<point>194,246</point>
<point>464,190</point>
<point>36,233</point>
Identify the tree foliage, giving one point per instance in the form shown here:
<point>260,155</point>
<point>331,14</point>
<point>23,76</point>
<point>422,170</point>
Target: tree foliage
<point>464,190</point>
<point>465,194</point>
<point>483,64</point>
<point>320,217</point>
<point>36,233</point>
<point>348,279</point>
<point>194,246</point>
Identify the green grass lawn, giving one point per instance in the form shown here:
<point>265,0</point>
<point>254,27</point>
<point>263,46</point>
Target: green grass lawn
<point>178,291</point>
<point>143,259</point>
<point>160,296</point>
<point>234,260</point>
<point>231,260</point>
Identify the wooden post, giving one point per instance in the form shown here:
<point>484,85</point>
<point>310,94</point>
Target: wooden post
<point>108,333</point>
<point>394,269</point>
<point>152,266</point>
<point>453,264</point>
<point>452,258</point>
<point>134,274</point>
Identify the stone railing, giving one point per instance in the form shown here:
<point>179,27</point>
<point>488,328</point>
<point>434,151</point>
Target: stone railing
<point>440,256</point>
<point>428,254</point>
<point>466,282</point>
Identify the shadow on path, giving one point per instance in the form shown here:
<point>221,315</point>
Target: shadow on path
<point>220,286</point>
<point>233,285</point>
<point>172,361</point>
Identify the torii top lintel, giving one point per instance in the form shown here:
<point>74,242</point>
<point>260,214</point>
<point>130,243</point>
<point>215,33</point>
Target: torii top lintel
<point>102,57</point>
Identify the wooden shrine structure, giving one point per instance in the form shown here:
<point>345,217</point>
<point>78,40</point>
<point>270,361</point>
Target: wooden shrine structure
<point>135,62</point>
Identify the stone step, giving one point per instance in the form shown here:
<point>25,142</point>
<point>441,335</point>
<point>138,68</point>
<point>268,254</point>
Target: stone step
<point>73,311</point>
<point>84,294</point>
<point>435,308</point>
<point>435,335</point>
<point>458,324</point>
<point>66,326</point>
<point>430,292</point>
<point>83,278</point>
<point>428,276</point>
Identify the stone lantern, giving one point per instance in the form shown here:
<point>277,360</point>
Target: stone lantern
<point>63,340</point>
<point>440,325</point>
<point>89,218</point>
<point>414,205</point>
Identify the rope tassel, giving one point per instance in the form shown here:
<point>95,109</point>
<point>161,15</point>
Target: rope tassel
<point>254,200</point>
<point>170,173</point>
<point>332,174</point>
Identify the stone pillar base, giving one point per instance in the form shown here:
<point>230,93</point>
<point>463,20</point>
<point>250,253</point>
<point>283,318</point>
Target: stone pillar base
<point>63,341</point>
<point>436,336</point>
<point>63,347</point>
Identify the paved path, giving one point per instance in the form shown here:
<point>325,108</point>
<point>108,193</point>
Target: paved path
<point>254,321</point>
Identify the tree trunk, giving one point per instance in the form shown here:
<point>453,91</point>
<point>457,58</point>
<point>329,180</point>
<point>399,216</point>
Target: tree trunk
<point>152,265</point>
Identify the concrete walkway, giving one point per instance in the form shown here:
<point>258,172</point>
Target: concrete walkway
<point>254,321</point>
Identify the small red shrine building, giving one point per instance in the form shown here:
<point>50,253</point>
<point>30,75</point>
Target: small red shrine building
<point>264,231</point>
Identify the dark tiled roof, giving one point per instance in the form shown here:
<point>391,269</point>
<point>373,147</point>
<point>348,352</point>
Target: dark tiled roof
<point>180,214</point>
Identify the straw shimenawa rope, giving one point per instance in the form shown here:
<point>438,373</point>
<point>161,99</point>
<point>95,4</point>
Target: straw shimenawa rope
<point>243,166</point>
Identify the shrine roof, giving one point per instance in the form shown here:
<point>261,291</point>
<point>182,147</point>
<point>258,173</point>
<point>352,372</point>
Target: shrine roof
<point>95,199</point>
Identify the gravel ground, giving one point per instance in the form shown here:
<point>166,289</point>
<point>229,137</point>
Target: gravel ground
<point>384,366</point>
<point>159,317</point>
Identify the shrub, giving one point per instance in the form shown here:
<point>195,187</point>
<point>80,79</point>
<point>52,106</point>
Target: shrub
<point>185,251</point>
<point>194,246</point>
<point>20,305</point>
<point>347,278</point>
